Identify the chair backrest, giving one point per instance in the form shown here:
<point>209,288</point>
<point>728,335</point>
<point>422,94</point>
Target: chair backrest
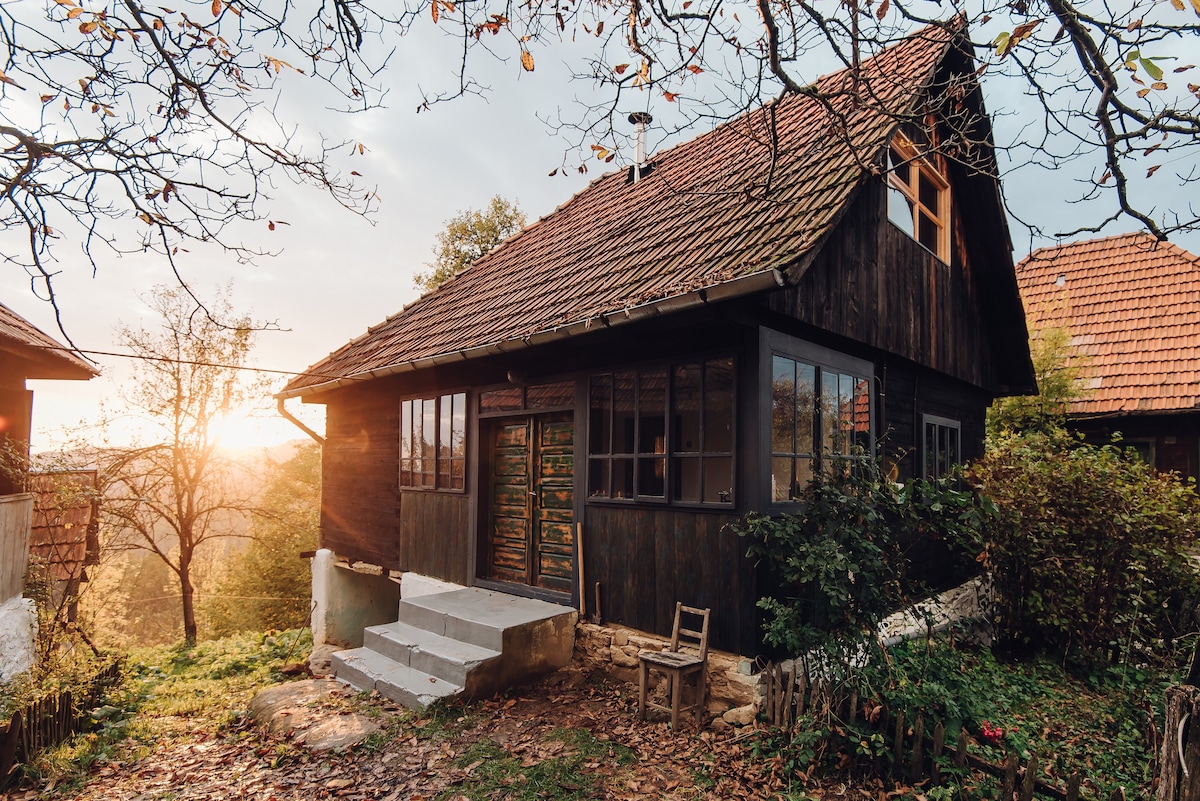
<point>690,638</point>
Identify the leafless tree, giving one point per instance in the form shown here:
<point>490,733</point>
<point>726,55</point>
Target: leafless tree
<point>172,496</point>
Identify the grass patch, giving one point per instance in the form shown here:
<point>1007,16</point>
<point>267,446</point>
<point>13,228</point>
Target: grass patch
<point>565,765</point>
<point>166,690</point>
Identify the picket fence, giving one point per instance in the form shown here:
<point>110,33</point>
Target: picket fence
<point>47,722</point>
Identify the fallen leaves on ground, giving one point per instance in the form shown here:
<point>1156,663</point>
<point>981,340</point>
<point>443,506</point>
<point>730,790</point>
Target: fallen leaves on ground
<point>422,757</point>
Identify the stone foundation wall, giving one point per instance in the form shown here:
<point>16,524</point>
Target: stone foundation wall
<point>613,651</point>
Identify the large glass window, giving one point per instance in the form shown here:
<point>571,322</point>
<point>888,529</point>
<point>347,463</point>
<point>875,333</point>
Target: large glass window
<point>663,433</point>
<point>433,440</point>
<point>918,197</point>
<point>819,416</point>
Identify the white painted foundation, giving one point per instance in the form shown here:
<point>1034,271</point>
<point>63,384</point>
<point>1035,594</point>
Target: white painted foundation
<point>346,601</point>
<point>18,634</point>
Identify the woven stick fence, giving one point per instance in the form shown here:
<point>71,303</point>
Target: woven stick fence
<point>915,755</point>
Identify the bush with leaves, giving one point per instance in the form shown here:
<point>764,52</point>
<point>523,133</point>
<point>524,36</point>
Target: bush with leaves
<point>842,563</point>
<point>1090,554</point>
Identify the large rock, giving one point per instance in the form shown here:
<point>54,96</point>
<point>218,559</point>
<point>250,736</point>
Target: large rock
<point>294,710</point>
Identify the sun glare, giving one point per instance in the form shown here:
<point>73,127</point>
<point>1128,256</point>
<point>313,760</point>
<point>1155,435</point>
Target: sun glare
<point>241,430</point>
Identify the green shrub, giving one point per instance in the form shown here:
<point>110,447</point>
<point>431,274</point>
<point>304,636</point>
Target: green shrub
<point>842,563</point>
<point>1090,552</point>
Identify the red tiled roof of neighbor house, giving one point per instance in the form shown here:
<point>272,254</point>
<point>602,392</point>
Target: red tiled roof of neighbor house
<point>1132,306</point>
<point>44,358</point>
<point>700,220</point>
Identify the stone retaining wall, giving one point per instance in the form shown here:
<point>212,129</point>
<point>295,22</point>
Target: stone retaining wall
<point>613,651</point>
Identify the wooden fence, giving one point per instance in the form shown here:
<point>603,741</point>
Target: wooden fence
<point>917,750</point>
<point>48,722</point>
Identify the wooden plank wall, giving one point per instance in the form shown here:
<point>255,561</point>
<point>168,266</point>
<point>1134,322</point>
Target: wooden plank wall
<point>646,559</point>
<point>874,284</point>
<point>908,392</point>
<point>16,513</point>
<point>360,475</point>
<point>434,536</point>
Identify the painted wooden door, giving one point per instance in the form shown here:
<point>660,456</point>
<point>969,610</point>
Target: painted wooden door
<point>531,537</point>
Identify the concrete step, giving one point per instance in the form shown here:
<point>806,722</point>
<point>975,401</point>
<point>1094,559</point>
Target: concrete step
<point>427,652</point>
<point>368,670</point>
<point>481,617</point>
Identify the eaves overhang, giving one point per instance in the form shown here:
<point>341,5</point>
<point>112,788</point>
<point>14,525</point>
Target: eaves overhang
<point>760,281</point>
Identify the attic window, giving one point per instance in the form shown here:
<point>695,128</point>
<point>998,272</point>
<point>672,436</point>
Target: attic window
<point>918,197</point>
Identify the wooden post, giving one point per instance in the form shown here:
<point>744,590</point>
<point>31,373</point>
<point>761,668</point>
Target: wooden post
<point>960,755</point>
<point>939,742</point>
<point>789,717</point>
<point>1073,786</point>
<point>1027,785</point>
<point>582,583</point>
<point>916,766</point>
<point>1179,765</point>
<point>898,744</point>
<point>1010,776</point>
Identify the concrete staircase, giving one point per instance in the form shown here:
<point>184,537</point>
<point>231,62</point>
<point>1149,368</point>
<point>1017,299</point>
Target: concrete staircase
<point>471,642</point>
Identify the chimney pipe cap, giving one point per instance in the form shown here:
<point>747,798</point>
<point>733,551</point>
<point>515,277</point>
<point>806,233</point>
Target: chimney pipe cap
<point>640,118</point>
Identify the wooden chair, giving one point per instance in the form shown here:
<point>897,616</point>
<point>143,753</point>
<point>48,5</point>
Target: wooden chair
<point>687,656</point>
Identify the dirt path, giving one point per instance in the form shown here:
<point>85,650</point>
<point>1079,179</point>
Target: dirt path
<point>565,719</point>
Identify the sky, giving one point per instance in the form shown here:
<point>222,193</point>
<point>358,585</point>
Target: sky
<point>335,274</point>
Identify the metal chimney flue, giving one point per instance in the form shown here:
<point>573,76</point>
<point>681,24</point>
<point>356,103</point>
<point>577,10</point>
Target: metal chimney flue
<point>641,119</point>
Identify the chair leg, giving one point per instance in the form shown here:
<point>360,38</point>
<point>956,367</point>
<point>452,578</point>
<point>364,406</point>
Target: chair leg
<point>676,698</point>
<point>643,669</point>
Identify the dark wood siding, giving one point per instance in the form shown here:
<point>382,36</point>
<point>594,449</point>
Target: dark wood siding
<point>434,535</point>
<point>360,476</point>
<point>906,392</point>
<point>873,284</point>
<point>646,559</point>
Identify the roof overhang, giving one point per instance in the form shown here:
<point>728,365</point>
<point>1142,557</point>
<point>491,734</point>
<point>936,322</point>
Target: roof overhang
<point>763,280</point>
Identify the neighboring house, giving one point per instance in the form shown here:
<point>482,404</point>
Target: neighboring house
<point>1132,307</point>
<point>668,351</point>
<point>25,352</point>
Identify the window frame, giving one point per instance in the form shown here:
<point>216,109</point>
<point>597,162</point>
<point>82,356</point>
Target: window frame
<point>412,480</point>
<point>903,176</point>
<point>670,457</point>
<point>774,343</point>
<point>939,424</point>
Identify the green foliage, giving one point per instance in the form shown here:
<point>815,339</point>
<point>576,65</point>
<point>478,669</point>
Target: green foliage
<point>1058,371</point>
<point>468,236</point>
<point>840,564</point>
<point>210,684</point>
<point>268,585</point>
<point>1090,553</point>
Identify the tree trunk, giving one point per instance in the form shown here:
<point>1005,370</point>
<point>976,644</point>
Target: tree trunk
<point>1179,767</point>
<point>188,593</point>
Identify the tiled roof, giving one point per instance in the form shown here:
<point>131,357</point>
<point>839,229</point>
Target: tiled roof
<point>1132,306</point>
<point>700,219</point>
<point>46,358</point>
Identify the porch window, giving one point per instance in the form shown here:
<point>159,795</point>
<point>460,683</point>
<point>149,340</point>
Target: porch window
<point>663,434</point>
<point>941,445</point>
<point>433,442</point>
<point>918,197</point>
<point>820,417</point>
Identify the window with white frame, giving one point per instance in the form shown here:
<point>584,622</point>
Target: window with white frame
<point>941,446</point>
<point>918,197</point>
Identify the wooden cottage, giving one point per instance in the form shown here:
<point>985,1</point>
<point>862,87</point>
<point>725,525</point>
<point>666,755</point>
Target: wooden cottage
<point>1131,305</point>
<point>579,415</point>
